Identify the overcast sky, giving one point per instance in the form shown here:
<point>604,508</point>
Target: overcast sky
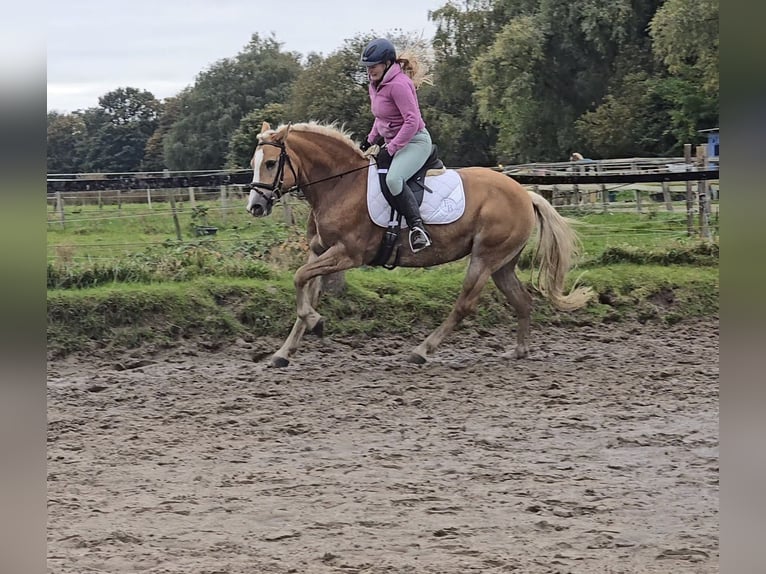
<point>95,46</point>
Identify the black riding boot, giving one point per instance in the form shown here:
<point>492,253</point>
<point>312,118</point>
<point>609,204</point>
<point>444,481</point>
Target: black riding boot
<point>408,207</point>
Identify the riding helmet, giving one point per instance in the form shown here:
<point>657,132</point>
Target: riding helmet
<point>378,51</point>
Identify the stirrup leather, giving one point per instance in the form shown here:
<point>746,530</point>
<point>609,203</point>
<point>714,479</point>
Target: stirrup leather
<point>423,239</point>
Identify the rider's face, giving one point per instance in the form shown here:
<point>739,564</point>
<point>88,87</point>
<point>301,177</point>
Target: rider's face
<point>375,73</point>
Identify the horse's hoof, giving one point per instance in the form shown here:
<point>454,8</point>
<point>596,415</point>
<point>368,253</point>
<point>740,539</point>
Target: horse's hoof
<point>318,329</point>
<point>279,362</point>
<point>416,359</point>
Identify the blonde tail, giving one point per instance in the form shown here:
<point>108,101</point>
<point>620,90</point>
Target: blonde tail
<point>558,249</point>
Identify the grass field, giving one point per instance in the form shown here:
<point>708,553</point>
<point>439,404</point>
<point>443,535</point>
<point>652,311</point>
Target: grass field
<point>91,234</point>
<point>121,276</point>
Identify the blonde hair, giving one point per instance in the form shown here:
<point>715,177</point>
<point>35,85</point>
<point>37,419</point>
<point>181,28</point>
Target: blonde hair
<point>414,61</point>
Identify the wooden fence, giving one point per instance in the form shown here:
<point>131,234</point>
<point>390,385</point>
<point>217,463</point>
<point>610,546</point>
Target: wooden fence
<point>580,185</point>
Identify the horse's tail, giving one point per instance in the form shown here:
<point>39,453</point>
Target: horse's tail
<point>557,250</point>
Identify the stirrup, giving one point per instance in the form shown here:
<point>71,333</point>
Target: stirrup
<point>422,239</point>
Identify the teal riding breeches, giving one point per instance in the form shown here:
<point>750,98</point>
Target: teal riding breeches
<point>408,160</point>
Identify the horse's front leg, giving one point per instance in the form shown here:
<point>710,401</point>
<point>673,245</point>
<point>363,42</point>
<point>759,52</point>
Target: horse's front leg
<point>282,357</point>
<point>307,286</point>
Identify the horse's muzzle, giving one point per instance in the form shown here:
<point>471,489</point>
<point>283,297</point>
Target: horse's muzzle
<point>258,211</point>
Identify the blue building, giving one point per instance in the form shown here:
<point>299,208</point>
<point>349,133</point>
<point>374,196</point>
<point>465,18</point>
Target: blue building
<point>713,142</point>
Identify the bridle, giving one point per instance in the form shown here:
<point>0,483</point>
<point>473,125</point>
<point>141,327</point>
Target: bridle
<point>279,178</point>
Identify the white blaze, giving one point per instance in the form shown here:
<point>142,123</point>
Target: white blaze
<point>257,159</point>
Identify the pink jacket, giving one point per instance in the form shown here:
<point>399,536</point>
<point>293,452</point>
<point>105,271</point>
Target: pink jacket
<point>395,106</point>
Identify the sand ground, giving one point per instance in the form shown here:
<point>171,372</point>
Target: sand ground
<point>598,453</point>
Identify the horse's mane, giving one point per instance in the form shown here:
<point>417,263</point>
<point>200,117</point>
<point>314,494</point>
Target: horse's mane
<point>330,130</point>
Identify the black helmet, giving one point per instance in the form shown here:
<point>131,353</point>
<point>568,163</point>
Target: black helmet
<point>378,51</point>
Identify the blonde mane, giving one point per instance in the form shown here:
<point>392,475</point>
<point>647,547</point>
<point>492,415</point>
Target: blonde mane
<point>330,130</point>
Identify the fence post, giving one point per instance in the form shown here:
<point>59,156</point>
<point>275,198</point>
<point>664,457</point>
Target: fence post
<point>604,197</point>
<point>288,210</point>
<point>119,199</point>
<point>149,197</point>
<point>576,187</point>
<point>639,201</point>
<point>666,196</point>
<point>60,207</point>
<point>175,215</point>
<point>702,194</point>
<point>689,195</point>
<point>636,192</point>
<point>192,200</point>
<point>100,202</point>
<point>223,203</point>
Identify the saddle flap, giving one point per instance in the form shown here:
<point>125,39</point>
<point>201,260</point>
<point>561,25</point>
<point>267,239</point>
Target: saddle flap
<point>444,202</point>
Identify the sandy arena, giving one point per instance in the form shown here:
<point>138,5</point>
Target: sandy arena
<point>598,454</point>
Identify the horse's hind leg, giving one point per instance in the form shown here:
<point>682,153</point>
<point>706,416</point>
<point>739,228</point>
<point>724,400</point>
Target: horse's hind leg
<point>475,279</point>
<point>506,280</point>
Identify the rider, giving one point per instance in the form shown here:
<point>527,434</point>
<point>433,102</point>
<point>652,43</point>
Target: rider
<point>398,122</point>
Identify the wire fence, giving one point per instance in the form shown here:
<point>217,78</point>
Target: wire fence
<point>196,214</point>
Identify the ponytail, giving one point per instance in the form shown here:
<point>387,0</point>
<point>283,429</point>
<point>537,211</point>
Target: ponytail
<point>412,64</point>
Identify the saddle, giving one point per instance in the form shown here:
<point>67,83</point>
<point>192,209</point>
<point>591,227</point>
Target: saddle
<point>432,166</point>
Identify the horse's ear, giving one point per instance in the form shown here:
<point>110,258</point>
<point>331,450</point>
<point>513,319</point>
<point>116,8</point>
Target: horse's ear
<point>265,127</point>
<point>281,135</point>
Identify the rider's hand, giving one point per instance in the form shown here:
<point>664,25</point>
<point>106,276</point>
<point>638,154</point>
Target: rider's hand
<point>372,150</point>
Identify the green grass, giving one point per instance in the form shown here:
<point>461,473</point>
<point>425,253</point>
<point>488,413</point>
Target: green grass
<point>91,234</point>
<point>128,281</point>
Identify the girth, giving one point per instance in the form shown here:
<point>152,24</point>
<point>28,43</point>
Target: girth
<point>417,184</point>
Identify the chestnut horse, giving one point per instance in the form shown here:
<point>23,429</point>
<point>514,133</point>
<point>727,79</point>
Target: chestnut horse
<point>500,216</point>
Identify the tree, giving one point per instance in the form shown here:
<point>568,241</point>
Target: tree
<point>242,142</point>
<point>118,130</point>
<point>210,111</point>
<point>632,120</point>
<point>334,90</point>
<point>154,151</point>
<point>449,107</point>
<point>655,113</point>
<point>550,63</point>
<point>65,139</point>
<point>685,34</point>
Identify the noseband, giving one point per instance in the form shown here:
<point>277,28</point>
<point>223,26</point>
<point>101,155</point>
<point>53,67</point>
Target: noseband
<point>279,178</point>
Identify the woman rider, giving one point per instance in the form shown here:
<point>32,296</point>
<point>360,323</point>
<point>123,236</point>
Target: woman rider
<point>398,122</point>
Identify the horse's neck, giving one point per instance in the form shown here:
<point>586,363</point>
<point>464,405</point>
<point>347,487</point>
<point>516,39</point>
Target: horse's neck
<point>327,164</point>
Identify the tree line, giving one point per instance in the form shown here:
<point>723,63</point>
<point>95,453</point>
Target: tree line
<point>514,81</point>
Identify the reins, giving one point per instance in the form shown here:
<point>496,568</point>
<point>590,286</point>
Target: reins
<point>279,178</point>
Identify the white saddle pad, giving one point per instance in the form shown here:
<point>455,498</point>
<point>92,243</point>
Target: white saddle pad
<point>445,204</point>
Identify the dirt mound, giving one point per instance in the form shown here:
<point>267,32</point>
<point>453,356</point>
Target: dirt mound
<point>599,453</point>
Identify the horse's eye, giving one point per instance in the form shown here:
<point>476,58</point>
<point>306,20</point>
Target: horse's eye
<point>270,164</point>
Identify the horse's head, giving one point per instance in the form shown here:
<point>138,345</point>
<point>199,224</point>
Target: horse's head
<point>322,154</point>
<point>272,170</point>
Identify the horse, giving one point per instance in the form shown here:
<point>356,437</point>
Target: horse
<point>330,170</point>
